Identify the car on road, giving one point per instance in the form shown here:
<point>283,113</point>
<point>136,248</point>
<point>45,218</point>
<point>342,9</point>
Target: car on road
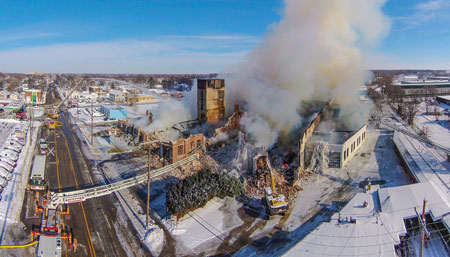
<point>5,174</point>
<point>6,166</point>
<point>42,144</point>
<point>9,161</point>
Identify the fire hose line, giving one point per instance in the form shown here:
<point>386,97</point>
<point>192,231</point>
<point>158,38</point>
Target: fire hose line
<point>18,246</point>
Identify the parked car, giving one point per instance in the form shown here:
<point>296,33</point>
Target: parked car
<point>9,161</point>
<point>13,156</point>
<point>3,183</point>
<point>5,174</point>
<point>16,144</point>
<point>6,166</point>
<point>16,141</point>
<point>12,148</point>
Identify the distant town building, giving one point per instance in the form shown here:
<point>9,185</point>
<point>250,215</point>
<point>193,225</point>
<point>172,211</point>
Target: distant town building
<point>94,89</point>
<point>141,99</point>
<point>114,112</point>
<point>116,96</point>
<point>427,88</point>
<point>13,96</point>
<point>210,100</point>
<point>443,99</point>
<point>33,96</point>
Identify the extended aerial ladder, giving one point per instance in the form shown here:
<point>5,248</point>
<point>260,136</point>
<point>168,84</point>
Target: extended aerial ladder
<point>53,113</point>
<point>97,191</point>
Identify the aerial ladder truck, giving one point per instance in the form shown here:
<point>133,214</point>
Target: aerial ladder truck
<point>52,209</point>
<point>275,203</point>
<point>53,114</point>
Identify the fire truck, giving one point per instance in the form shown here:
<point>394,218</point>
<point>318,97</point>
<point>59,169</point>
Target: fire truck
<point>55,206</point>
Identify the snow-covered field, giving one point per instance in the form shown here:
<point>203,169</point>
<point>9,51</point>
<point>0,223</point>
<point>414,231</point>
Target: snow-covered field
<point>438,131</point>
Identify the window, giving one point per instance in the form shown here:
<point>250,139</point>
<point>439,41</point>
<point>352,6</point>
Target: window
<point>180,150</point>
<point>199,143</point>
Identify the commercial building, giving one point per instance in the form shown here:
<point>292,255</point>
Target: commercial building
<point>342,145</point>
<point>141,99</point>
<point>94,89</point>
<point>117,96</point>
<point>15,105</point>
<point>426,88</point>
<point>113,112</point>
<point>443,99</point>
<point>33,96</point>
<point>210,100</point>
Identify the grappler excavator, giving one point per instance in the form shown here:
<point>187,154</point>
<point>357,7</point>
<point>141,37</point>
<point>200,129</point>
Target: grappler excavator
<point>275,203</point>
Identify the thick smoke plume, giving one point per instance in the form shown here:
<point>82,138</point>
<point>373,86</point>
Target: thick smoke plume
<point>313,54</point>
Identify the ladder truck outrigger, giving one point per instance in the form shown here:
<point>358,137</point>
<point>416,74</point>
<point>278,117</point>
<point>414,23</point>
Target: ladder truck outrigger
<point>54,203</point>
<point>275,203</point>
<point>53,114</point>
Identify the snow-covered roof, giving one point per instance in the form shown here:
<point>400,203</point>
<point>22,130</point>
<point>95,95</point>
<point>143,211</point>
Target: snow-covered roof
<point>369,235</point>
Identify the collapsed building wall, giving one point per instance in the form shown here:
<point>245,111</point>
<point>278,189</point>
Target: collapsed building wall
<point>233,123</point>
<point>181,148</point>
<point>306,136</point>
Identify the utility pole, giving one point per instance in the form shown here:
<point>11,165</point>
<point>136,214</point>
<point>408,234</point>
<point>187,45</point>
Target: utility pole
<point>148,189</point>
<point>92,123</point>
<point>422,226</point>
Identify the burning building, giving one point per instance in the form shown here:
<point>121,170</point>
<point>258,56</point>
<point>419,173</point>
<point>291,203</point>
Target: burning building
<point>210,100</point>
<point>334,148</point>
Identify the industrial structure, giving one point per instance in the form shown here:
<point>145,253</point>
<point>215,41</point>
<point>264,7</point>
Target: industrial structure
<point>210,100</point>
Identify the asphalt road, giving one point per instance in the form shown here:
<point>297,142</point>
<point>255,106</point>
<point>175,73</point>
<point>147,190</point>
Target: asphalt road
<point>94,222</point>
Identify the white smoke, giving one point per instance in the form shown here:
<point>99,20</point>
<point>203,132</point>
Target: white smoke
<point>170,113</point>
<point>313,53</point>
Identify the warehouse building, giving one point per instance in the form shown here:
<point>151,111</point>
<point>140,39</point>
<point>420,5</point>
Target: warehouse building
<point>114,112</point>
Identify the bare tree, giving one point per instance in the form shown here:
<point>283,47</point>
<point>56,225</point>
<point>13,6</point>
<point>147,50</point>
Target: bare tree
<point>411,109</point>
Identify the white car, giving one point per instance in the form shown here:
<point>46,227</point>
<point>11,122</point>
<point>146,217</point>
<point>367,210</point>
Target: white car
<point>16,142</point>
<point>8,160</point>
<point>6,166</point>
<point>5,174</point>
<point>11,155</point>
<point>18,146</point>
<point>3,182</point>
<point>12,148</point>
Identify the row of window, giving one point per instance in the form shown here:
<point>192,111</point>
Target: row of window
<point>354,145</point>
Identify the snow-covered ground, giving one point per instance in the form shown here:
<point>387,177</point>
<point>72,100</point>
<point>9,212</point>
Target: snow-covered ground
<point>438,131</point>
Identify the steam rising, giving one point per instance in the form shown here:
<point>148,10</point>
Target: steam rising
<point>313,53</point>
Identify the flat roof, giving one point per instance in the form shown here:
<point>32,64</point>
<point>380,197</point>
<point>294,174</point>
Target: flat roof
<point>377,227</point>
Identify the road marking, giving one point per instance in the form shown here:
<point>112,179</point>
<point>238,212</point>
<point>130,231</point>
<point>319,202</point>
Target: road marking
<point>57,162</point>
<point>50,150</point>
<point>91,246</point>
